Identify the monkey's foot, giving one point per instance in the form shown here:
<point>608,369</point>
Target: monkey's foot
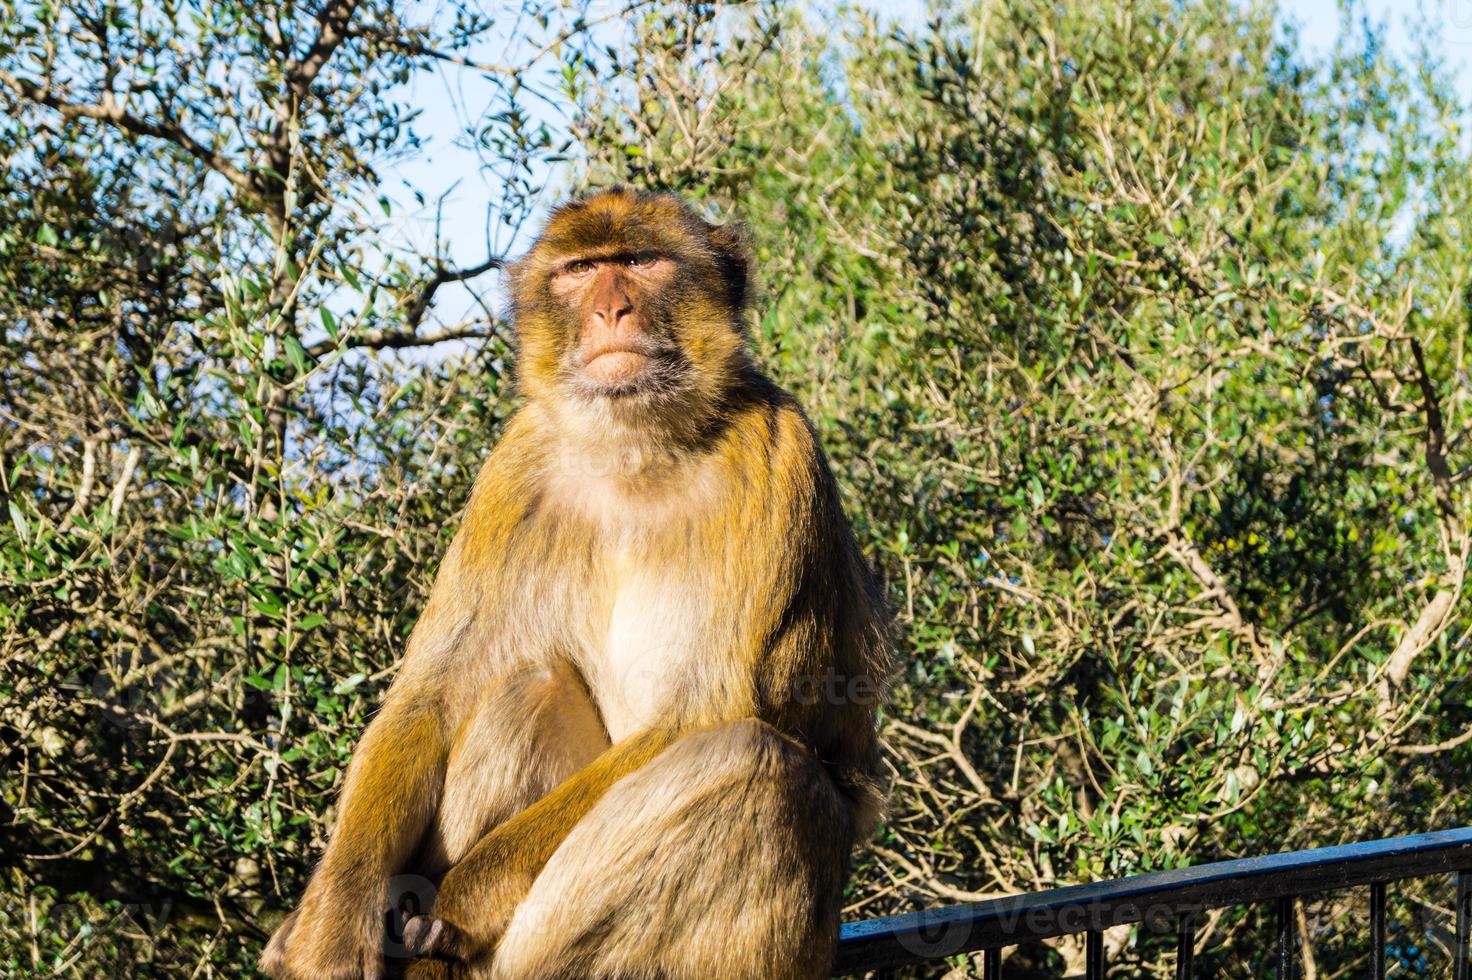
<point>428,937</point>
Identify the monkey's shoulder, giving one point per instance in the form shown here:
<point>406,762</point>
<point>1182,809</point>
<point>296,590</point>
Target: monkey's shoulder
<point>771,437</point>
<point>507,492</point>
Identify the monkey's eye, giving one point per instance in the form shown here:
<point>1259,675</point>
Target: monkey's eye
<point>579,268</point>
<point>643,258</point>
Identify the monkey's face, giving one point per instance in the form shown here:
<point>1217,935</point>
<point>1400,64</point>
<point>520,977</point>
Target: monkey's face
<point>617,302</point>
<point>632,299</point>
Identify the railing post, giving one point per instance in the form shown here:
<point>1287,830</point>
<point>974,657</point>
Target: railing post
<point>1460,969</point>
<point>1186,947</point>
<point>1284,969</point>
<point>1094,955</point>
<point>1377,931</point>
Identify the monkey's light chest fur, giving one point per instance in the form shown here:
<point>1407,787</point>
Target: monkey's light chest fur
<point>645,651</point>
<point>647,659</point>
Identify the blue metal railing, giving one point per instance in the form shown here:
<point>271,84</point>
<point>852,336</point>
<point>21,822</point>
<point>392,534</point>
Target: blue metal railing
<point>1170,899</point>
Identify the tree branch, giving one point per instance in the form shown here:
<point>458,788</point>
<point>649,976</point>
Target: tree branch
<point>400,339</point>
<point>110,112</point>
<point>1441,474</point>
<point>420,304</point>
<point>579,26</point>
<point>1446,746</point>
<point>332,30</point>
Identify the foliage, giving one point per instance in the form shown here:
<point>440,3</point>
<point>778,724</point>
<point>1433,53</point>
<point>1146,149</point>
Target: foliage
<point>225,502</point>
<point>1135,334</point>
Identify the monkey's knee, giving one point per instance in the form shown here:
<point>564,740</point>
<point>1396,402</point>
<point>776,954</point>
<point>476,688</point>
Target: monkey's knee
<point>552,709</point>
<point>532,729</point>
<point>724,857</point>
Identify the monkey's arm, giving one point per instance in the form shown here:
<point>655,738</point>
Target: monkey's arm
<point>479,893</point>
<point>388,799</point>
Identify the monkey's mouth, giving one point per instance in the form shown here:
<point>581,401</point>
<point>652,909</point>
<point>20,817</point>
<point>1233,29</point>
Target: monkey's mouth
<point>616,367</point>
<point>624,366</point>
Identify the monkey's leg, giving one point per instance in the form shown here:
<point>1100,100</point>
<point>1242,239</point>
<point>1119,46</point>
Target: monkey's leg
<point>479,894</point>
<point>530,732</point>
<point>723,857</point>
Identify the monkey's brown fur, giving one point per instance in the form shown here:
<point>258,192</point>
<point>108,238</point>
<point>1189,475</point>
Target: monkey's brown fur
<point>634,728</point>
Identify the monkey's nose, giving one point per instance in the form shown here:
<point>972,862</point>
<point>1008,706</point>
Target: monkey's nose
<point>612,310</point>
<point>611,302</point>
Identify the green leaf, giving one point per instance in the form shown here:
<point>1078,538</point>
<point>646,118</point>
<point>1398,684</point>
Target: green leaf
<point>258,682</point>
<point>296,354</point>
<point>22,529</point>
<point>348,683</point>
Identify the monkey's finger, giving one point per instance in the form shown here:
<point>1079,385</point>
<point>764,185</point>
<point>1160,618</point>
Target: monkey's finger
<point>424,935</point>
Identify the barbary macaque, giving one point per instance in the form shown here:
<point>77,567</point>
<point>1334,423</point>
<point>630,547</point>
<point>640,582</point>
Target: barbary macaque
<point>634,731</point>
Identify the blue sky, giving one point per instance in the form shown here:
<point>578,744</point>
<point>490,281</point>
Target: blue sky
<point>451,174</point>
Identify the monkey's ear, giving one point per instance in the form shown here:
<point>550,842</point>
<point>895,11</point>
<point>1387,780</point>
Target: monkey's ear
<point>733,252</point>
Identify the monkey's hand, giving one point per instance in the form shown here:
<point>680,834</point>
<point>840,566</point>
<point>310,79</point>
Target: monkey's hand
<point>475,903</point>
<point>327,938</point>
